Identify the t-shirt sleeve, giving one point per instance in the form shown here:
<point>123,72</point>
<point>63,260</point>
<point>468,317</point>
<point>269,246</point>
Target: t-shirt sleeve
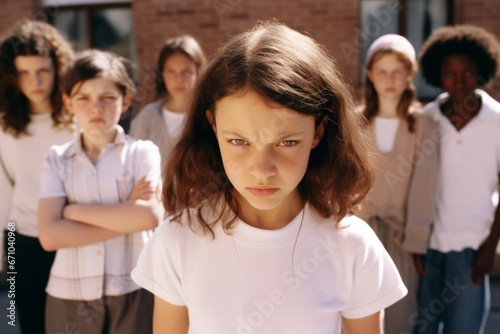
<point>376,280</point>
<point>158,267</point>
<point>51,181</point>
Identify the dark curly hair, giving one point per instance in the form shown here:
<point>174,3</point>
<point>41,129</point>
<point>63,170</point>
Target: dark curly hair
<point>474,42</point>
<point>31,38</point>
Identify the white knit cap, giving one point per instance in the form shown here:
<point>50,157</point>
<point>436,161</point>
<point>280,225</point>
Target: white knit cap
<point>395,42</point>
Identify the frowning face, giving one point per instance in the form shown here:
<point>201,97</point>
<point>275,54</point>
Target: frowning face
<point>265,149</point>
<point>35,77</point>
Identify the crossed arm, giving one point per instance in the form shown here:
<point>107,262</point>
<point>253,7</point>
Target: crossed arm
<point>64,225</point>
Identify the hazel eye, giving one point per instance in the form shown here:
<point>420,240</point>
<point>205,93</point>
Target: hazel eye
<point>289,143</point>
<point>237,142</point>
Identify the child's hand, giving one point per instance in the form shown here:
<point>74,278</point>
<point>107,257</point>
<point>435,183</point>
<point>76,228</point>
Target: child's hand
<point>419,262</point>
<point>483,265</point>
<point>142,190</point>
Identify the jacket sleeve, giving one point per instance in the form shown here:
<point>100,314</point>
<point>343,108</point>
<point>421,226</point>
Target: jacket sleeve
<point>138,126</point>
<point>423,188</point>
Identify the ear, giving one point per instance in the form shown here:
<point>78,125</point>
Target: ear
<point>127,102</point>
<point>319,132</point>
<point>368,73</point>
<point>211,119</point>
<point>67,103</point>
<point>412,74</point>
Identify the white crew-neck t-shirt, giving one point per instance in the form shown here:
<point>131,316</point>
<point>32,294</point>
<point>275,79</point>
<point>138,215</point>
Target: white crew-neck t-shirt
<point>174,122</point>
<point>271,281</point>
<point>385,133</point>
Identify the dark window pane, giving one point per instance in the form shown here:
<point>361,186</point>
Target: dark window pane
<point>424,16</point>
<point>112,30</point>
<point>73,24</point>
<point>378,17</point>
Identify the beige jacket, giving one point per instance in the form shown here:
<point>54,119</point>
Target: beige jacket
<point>403,194</point>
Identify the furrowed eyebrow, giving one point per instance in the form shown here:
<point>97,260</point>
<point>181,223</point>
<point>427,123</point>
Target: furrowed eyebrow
<point>283,137</point>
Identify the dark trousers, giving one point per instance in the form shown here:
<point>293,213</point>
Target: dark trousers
<point>131,313</point>
<point>32,265</point>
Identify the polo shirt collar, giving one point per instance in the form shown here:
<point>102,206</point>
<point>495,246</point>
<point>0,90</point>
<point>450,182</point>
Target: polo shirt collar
<point>485,113</point>
<point>76,144</point>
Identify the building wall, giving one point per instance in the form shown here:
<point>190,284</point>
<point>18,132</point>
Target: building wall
<point>334,24</point>
<point>484,13</point>
<point>13,10</point>
<point>211,22</point>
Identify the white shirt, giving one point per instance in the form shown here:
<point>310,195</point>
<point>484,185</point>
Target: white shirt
<point>469,167</point>
<point>245,282</point>
<point>174,121</point>
<point>88,272</point>
<point>20,165</point>
<point>385,133</point>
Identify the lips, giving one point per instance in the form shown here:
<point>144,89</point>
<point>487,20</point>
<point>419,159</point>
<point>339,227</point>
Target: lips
<point>97,120</point>
<point>262,191</point>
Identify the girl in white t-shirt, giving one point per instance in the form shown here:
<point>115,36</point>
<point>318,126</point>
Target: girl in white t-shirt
<point>262,181</point>
<point>33,58</point>
<point>177,68</point>
<point>99,203</point>
<point>398,131</point>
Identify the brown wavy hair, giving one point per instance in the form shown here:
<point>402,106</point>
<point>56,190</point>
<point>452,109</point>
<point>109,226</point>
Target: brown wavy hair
<point>31,38</point>
<point>185,45</point>
<point>291,69</point>
<point>408,102</point>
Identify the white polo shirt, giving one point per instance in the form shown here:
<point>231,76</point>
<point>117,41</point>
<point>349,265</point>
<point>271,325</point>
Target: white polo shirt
<point>91,271</point>
<point>468,174</point>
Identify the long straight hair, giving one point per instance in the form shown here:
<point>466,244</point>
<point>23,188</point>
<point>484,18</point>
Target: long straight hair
<point>407,103</point>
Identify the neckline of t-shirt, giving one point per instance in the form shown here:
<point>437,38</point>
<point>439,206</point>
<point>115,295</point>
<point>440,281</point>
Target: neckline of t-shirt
<point>40,117</point>
<point>385,120</point>
<point>170,113</point>
<point>284,236</point>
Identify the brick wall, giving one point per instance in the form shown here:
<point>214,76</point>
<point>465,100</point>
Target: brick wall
<point>483,13</point>
<point>334,23</point>
<point>13,10</point>
<point>212,21</point>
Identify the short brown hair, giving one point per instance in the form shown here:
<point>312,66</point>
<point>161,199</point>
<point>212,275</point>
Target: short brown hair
<point>91,64</point>
<point>289,68</point>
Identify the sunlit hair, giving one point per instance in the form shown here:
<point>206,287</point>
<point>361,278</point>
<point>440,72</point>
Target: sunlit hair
<point>90,64</point>
<point>31,38</point>
<point>407,103</point>
<point>185,45</point>
<point>292,70</point>
<point>467,40</point>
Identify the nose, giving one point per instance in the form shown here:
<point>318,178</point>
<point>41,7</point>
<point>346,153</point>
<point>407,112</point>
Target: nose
<point>181,78</point>
<point>37,79</point>
<point>263,163</point>
<point>98,105</point>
